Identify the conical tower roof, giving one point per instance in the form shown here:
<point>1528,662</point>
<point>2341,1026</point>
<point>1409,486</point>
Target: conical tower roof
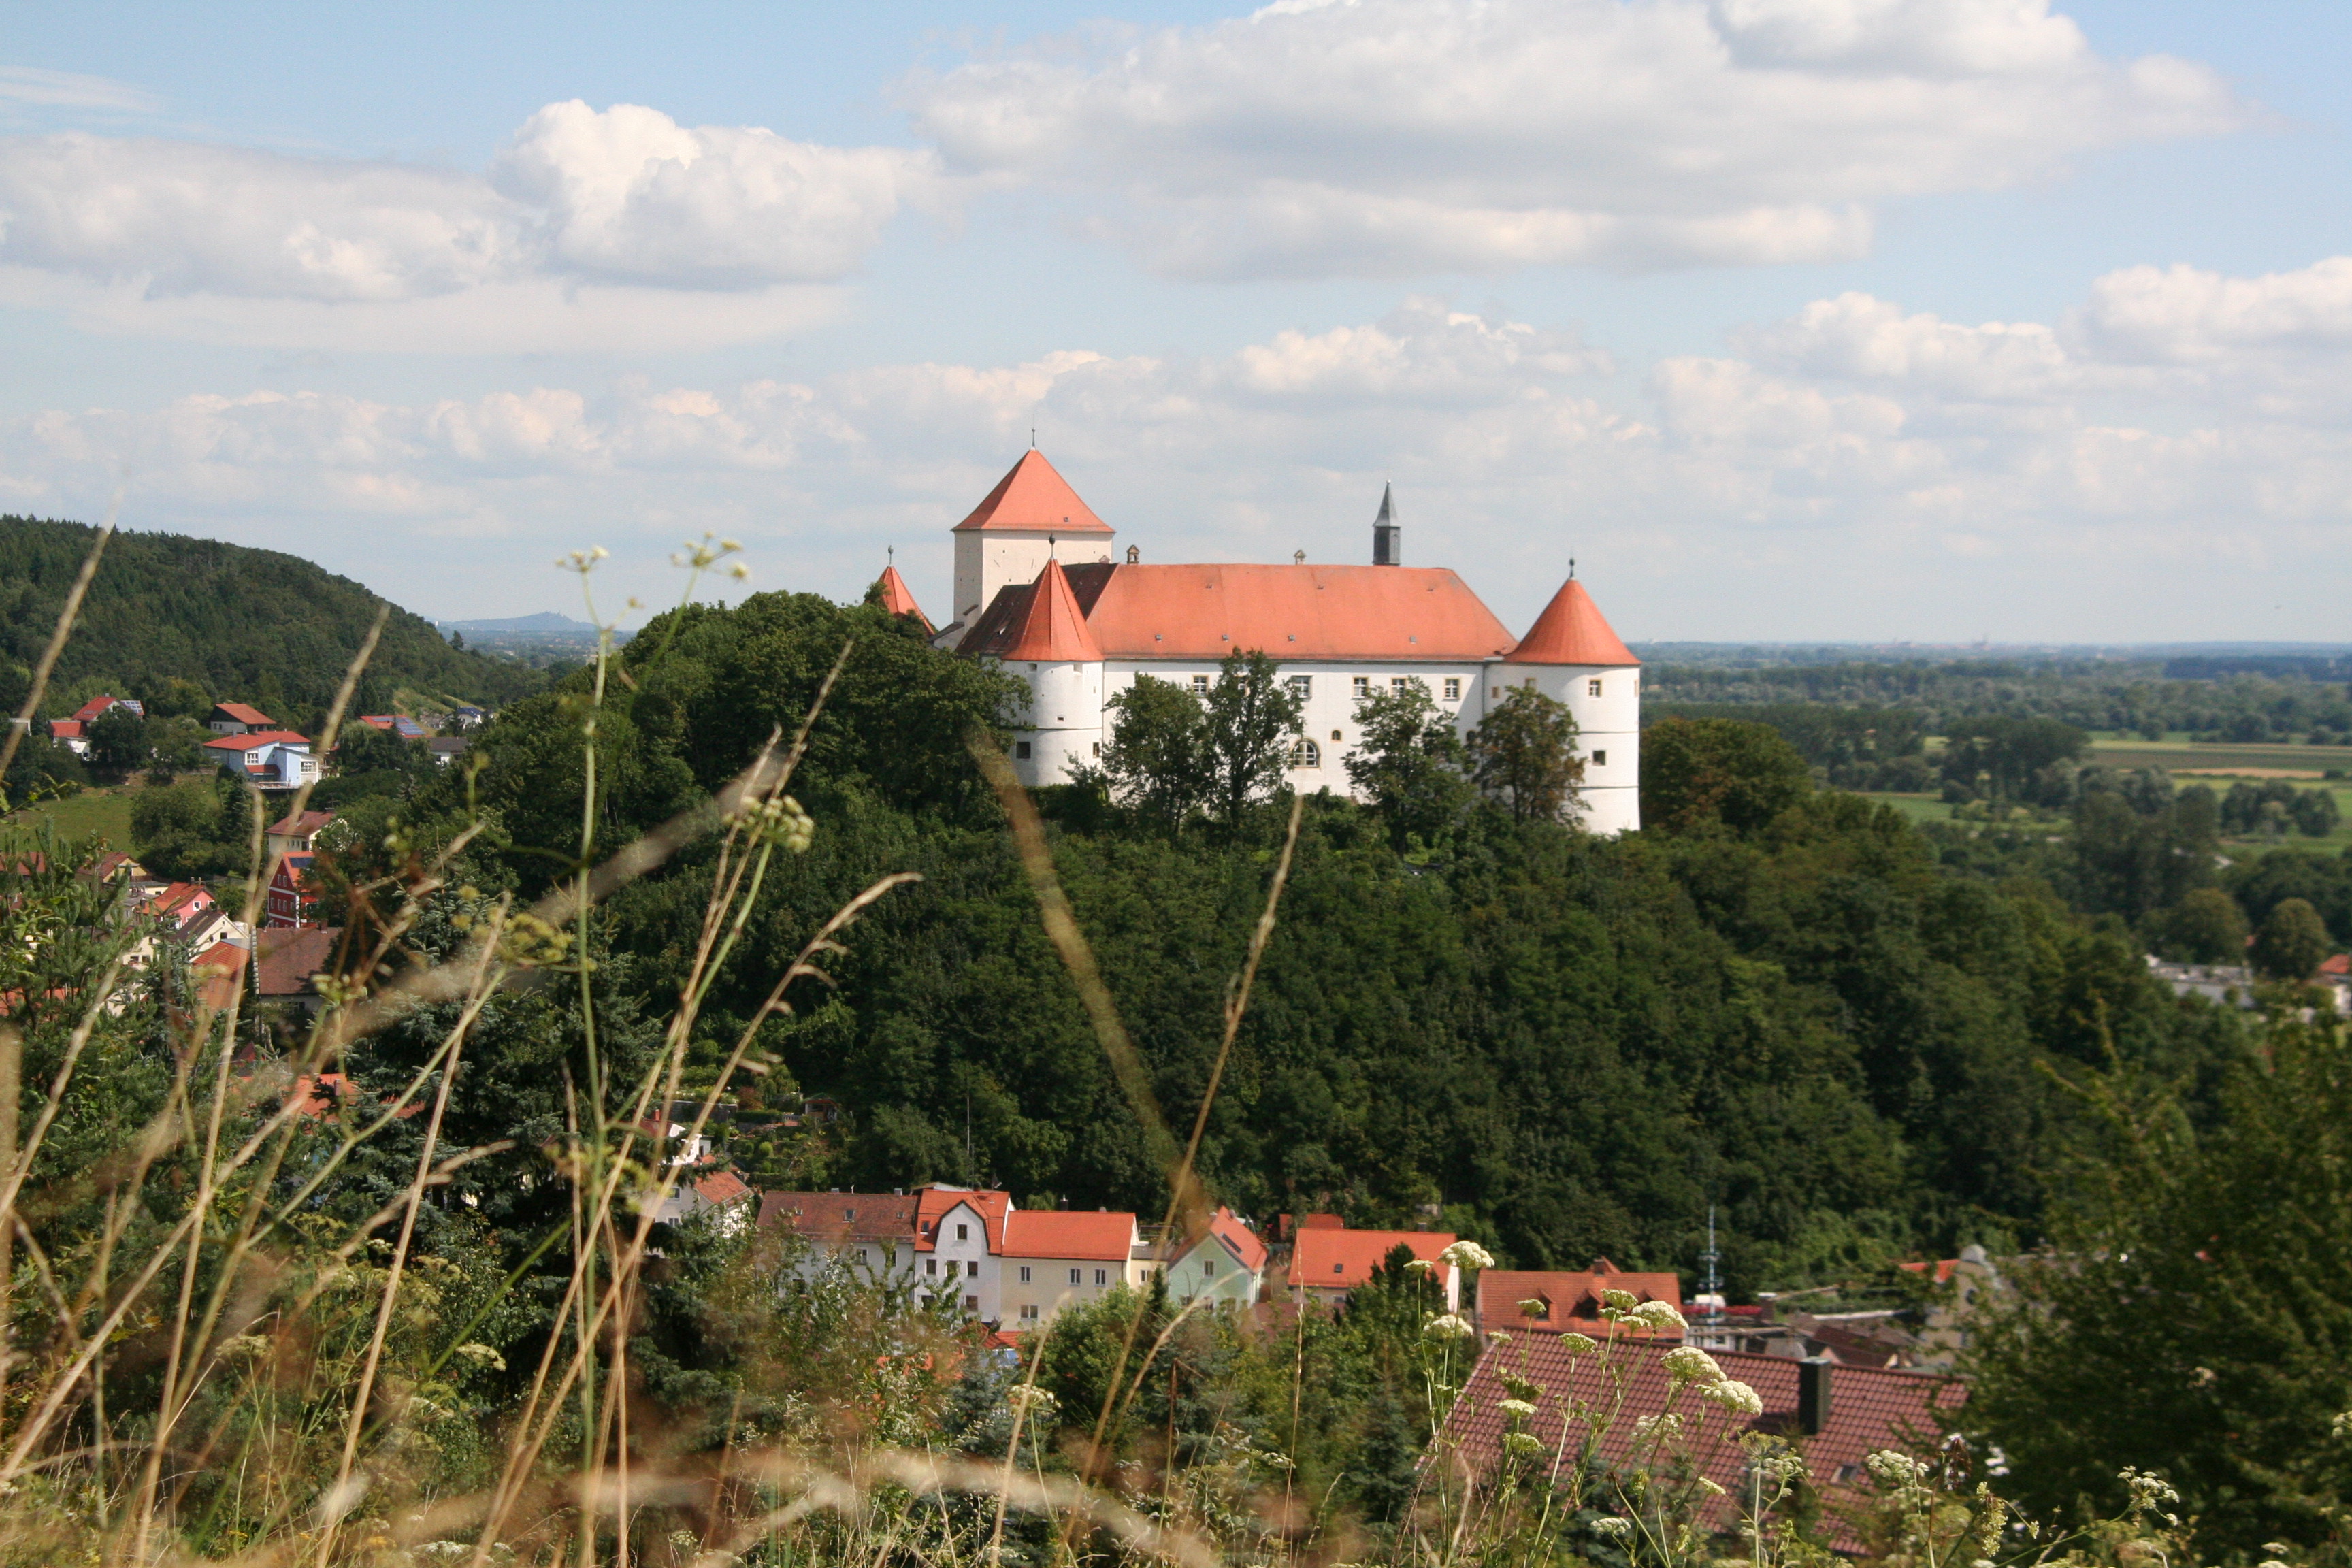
<point>1571,630</point>
<point>1052,629</point>
<point>897,598</point>
<point>1034,498</point>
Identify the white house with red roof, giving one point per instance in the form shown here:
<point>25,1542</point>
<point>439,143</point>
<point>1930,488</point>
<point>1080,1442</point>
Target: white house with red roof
<point>238,718</point>
<point>1224,1260</point>
<point>1054,1258</point>
<point>271,759</point>
<point>959,1236</point>
<point>1036,589</point>
<point>1328,1262</point>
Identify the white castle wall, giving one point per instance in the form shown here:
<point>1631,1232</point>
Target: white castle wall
<point>1067,706</point>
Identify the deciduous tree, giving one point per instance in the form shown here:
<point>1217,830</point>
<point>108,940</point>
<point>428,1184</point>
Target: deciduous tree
<point>1253,718</point>
<point>1156,761</point>
<point>1523,756</point>
<point>1410,763</point>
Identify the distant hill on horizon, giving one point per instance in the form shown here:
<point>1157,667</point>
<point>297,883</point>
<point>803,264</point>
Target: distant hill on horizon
<point>238,622</point>
<point>545,621</point>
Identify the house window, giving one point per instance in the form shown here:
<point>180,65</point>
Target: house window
<point>972,1303</point>
<point>1592,688</point>
<point>1335,734</point>
<point>1399,684</point>
<point>1494,691</point>
<point>963,1233</point>
<point>1097,748</point>
<point>1302,687</point>
<point>1600,759</point>
<point>865,1255</point>
<point>1200,686</point>
<point>1029,1312</point>
<point>1024,1274</point>
<point>1453,689</point>
<point>1074,1276</point>
<point>1101,1278</point>
<point>1338,1269</point>
<point>890,1256</point>
<point>1305,755</point>
<point>931,1266</point>
<point>1363,686</point>
<point>1020,750</point>
<point>1208,1266</point>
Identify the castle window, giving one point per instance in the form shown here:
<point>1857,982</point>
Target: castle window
<point>1335,734</point>
<point>1020,750</point>
<point>1200,686</point>
<point>1592,688</point>
<point>1600,759</point>
<point>1363,686</point>
<point>1305,755</point>
<point>1453,689</point>
<point>1302,687</point>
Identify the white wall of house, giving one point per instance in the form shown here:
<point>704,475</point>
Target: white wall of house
<point>893,1261</point>
<point>1034,1288</point>
<point>964,1264</point>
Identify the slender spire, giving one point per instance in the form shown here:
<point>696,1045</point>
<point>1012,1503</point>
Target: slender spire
<point>1387,542</point>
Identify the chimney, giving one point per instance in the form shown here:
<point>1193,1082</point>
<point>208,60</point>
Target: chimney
<point>1388,546</point>
<point>1814,1395</point>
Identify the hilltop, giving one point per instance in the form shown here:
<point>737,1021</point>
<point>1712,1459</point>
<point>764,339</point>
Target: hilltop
<point>254,625</point>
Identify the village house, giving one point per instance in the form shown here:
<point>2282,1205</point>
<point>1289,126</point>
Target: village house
<point>269,759</point>
<point>446,749</point>
<point>239,718</point>
<point>1560,1302</point>
<point>1224,1261</point>
<point>292,901</point>
<point>399,724</point>
<point>870,1234</point>
<point>1054,1258</point>
<point>722,1195</point>
<point>959,1236</point>
<point>296,834</point>
<point>1328,1261</point>
<point>1037,593</point>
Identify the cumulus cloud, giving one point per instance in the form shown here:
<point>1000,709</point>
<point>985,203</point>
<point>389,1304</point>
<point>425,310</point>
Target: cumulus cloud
<point>1396,136</point>
<point>621,198</point>
<point>1857,469</point>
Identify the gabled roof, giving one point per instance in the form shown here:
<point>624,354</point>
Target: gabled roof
<point>1571,1298</point>
<point>723,1187</point>
<point>1052,630</point>
<point>285,957</point>
<point>1870,1409</point>
<point>179,901</point>
<point>935,1203</point>
<point>1033,499</point>
<point>65,729</point>
<point>899,599</point>
<point>97,707</point>
<point>841,1217</point>
<point>1069,1233</point>
<point>301,826</point>
<point>1400,615</point>
<point>254,739</point>
<point>243,713</point>
<point>1230,1233</point>
<point>1571,630</point>
<point>1329,1259</point>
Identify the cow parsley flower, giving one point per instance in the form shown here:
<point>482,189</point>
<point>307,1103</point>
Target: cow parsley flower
<point>1578,1344</point>
<point>1736,1397</point>
<point>1522,1445</point>
<point>1656,1315</point>
<point>1688,1363</point>
<point>1468,1254</point>
<point>1517,1409</point>
<point>1449,1326</point>
<point>1617,1528</point>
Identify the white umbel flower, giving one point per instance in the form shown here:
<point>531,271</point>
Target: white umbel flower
<point>1448,1326</point>
<point>1656,1315</point>
<point>1468,1254</point>
<point>1688,1363</point>
<point>1736,1397</point>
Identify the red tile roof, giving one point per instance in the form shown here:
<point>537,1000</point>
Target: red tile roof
<point>1069,1233</point>
<point>93,709</point>
<point>302,825</point>
<point>243,713</point>
<point>1342,1259</point>
<point>65,729</point>
<point>289,955</point>
<point>1402,614</point>
<point>220,970</point>
<point>180,900</point>
<point>1051,629</point>
<point>841,1217</point>
<point>2336,964</point>
<point>1239,1239</point>
<point>1033,497</point>
<point>1572,1299</point>
<point>723,1187</point>
<point>1571,630</point>
<point>1870,1409</point>
<point>899,599</point>
<point>936,1201</point>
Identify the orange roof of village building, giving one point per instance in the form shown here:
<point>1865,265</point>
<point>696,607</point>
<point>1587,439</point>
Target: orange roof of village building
<point>1069,1233</point>
<point>1395,614</point>
<point>1034,498</point>
<point>255,740</point>
<point>1238,1238</point>
<point>899,599</point>
<point>245,713</point>
<point>936,1202</point>
<point>1052,628</point>
<point>1329,1259</point>
<point>1571,630</point>
<point>1570,1299</point>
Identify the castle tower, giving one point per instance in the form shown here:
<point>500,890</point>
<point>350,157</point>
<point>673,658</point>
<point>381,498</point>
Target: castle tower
<point>1055,652</point>
<point>1031,517</point>
<point>1572,656</point>
<point>890,591</point>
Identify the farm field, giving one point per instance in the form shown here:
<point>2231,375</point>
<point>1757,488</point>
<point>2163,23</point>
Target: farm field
<point>2244,761</point>
<point>105,812</point>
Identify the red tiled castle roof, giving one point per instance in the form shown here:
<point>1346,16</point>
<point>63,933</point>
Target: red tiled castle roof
<point>1052,629</point>
<point>1031,497</point>
<point>899,599</point>
<point>1571,630</point>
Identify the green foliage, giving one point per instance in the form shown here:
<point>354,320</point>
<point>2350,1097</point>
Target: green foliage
<point>169,619</point>
<point>1252,717</point>
<point>2290,942</point>
<point>2011,759</point>
<point>2193,1318</point>
<point>195,827</point>
<point>1411,764</point>
<point>1523,756</point>
<point>1698,770</point>
<point>2205,927</point>
<point>2139,847</point>
<point>118,743</point>
<point>1869,748</point>
<point>1156,763</point>
<point>2274,808</point>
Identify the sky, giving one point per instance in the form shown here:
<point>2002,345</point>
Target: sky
<point>1934,321</point>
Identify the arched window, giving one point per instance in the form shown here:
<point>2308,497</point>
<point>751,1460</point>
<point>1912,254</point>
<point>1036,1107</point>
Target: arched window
<point>1305,755</point>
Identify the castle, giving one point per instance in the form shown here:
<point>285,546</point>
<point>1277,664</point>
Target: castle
<point>1037,590</point>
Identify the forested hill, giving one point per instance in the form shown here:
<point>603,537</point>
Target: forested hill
<point>243,624</point>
